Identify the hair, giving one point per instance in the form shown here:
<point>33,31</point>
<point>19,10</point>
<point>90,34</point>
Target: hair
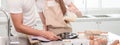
<point>62,6</point>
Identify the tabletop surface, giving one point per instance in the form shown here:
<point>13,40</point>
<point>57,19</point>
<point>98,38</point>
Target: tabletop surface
<point>24,41</point>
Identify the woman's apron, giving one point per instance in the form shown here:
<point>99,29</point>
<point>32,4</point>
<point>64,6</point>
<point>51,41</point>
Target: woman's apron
<point>54,18</point>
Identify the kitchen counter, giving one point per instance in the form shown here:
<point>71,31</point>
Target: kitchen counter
<point>83,41</point>
<point>19,41</point>
<point>86,18</point>
<point>100,17</point>
<point>24,41</point>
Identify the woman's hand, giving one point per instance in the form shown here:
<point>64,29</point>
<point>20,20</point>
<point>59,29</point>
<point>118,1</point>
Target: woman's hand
<point>70,16</point>
<point>74,9</point>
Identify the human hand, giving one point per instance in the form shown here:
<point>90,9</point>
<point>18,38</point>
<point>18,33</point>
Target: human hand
<point>70,16</point>
<point>50,36</point>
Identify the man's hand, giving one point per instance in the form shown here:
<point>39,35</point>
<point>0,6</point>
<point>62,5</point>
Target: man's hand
<point>49,35</point>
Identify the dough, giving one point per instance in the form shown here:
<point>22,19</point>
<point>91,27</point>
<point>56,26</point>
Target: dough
<point>93,32</point>
<point>70,16</point>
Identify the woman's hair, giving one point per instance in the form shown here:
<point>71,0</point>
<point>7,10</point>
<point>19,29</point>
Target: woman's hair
<point>62,6</point>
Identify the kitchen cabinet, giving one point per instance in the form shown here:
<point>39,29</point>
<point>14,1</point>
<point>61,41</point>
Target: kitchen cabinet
<point>3,25</point>
<point>3,30</point>
<point>82,26</point>
<point>109,26</point>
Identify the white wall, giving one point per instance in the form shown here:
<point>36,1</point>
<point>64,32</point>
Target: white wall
<point>4,4</point>
<point>0,3</point>
<point>3,25</point>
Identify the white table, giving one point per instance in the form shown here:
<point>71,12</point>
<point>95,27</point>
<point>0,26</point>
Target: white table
<point>111,38</point>
<point>24,41</point>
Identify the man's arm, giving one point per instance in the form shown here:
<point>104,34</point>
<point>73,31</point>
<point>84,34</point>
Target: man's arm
<point>73,8</point>
<point>17,19</point>
<point>18,23</point>
<point>42,17</point>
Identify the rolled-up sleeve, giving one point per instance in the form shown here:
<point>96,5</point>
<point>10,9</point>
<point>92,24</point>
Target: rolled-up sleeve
<point>40,5</point>
<point>14,6</point>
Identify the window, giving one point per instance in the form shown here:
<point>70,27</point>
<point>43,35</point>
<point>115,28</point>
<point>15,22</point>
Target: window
<point>0,3</point>
<point>99,6</point>
<point>110,3</point>
<point>92,3</point>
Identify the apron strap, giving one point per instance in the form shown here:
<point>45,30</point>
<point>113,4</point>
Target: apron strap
<point>62,6</point>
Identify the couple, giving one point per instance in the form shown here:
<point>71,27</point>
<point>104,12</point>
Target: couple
<point>51,12</point>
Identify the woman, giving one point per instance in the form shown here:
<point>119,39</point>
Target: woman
<point>54,12</point>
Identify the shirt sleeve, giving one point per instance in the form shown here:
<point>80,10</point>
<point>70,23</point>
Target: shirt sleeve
<point>15,6</point>
<point>67,2</point>
<point>40,5</point>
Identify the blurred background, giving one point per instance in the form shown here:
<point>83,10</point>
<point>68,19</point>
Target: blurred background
<point>97,15</point>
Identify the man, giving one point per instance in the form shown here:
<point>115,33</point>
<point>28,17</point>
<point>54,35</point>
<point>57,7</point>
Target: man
<point>23,14</point>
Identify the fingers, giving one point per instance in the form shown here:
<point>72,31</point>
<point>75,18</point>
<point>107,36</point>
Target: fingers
<point>54,38</point>
<point>91,42</point>
<point>57,37</point>
<point>51,36</point>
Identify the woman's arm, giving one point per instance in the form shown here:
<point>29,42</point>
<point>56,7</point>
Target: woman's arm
<point>73,8</point>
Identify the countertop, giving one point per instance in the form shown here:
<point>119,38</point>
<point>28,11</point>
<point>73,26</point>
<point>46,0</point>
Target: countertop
<point>100,17</point>
<point>86,18</point>
<point>111,37</point>
<point>24,41</point>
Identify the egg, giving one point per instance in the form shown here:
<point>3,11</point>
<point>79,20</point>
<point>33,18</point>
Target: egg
<point>99,41</point>
<point>104,41</point>
<point>91,42</point>
<point>96,43</point>
<point>91,37</point>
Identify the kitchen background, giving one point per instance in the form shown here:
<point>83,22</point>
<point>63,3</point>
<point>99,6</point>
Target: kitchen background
<point>97,15</point>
